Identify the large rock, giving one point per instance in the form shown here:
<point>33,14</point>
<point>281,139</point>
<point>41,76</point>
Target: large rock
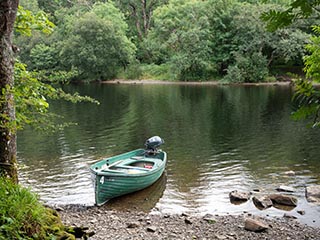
<point>236,196</point>
<point>284,199</point>
<point>313,194</point>
<point>254,225</point>
<point>262,202</point>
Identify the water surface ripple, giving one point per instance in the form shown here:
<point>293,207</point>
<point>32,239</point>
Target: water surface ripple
<point>218,139</point>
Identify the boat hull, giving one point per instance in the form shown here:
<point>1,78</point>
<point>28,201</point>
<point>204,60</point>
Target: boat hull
<point>122,174</point>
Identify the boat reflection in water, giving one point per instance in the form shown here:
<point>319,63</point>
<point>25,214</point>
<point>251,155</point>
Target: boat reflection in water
<point>143,200</point>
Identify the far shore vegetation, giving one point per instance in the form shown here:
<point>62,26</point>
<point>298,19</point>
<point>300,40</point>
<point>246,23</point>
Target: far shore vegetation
<point>176,40</point>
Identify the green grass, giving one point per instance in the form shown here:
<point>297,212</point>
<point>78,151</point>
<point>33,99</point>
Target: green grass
<point>147,71</point>
<point>22,216</point>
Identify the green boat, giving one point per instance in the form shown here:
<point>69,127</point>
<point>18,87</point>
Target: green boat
<point>128,172</point>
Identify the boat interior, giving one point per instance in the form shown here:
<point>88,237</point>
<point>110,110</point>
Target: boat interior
<point>131,165</point>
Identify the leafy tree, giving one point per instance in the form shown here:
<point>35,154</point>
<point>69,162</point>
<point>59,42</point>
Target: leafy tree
<point>23,102</point>
<point>182,31</point>
<point>31,99</point>
<point>312,61</point>
<point>8,147</point>
<point>297,9</point>
<point>97,38</point>
<point>307,96</point>
<point>139,13</point>
<point>248,67</point>
<point>200,39</point>
<point>27,21</point>
<point>246,39</point>
<point>43,57</point>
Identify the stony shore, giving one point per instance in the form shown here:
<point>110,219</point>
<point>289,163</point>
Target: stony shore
<point>111,224</point>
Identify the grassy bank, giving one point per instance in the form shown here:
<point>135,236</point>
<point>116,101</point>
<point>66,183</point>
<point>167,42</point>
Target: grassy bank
<point>22,216</point>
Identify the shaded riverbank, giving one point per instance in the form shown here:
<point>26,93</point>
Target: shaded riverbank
<point>110,224</point>
<point>150,81</point>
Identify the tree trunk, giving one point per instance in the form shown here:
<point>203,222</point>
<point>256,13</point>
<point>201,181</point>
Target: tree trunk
<point>137,20</point>
<point>8,149</point>
<point>144,15</point>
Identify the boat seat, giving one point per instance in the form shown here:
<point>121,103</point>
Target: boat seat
<point>137,157</point>
<point>132,167</point>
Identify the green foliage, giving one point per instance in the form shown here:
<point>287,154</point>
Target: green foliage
<point>139,16</point>
<point>157,72</point>
<point>43,57</point>
<point>312,61</point>
<point>31,98</point>
<point>22,216</point>
<point>133,71</point>
<point>26,21</point>
<point>297,9</point>
<point>307,98</point>
<point>97,38</point>
<point>248,37</point>
<point>248,68</point>
<point>57,76</point>
<point>182,31</point>
<point>200,40</point>
<point>194,39</point>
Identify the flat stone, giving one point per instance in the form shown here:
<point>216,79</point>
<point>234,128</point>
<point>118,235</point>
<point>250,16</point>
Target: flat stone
<point>284,199</point>
<point>254,225</point>
<point>152,229</point>
<point>187,221</point>
<point>313,194</point>
<point>133,224</point>
<point>262,202</point>
<point>285,189</point>
<point>239,196</point>
<point>59,209</point>
<point>209,218</point>
<point>287,215</point>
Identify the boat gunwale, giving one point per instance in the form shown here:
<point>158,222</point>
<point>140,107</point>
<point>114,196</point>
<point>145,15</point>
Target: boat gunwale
<point>115,173</point>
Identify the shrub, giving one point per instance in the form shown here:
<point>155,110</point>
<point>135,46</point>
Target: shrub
<point>247,68</point>
<point>22,216</point>
<point>157,72</point>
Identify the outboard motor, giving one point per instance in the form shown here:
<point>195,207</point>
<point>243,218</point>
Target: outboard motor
<point>153,143</point>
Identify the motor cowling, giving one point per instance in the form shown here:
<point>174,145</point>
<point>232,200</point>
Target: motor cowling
<point>153,143</point>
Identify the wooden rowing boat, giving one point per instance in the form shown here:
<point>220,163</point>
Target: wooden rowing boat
<point>127,172</point>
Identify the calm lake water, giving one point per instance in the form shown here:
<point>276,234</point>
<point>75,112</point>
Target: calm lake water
<point>218,139</point>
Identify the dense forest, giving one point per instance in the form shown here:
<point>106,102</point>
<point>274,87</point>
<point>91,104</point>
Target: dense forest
<point>181,40</point>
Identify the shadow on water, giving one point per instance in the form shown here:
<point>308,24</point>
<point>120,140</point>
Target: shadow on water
<point>144,200</point>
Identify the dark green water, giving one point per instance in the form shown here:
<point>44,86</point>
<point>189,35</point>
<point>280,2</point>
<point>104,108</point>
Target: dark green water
<point>218,139</point>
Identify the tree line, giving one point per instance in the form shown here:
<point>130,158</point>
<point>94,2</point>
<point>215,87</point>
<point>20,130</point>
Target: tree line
<point>183,40</point>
